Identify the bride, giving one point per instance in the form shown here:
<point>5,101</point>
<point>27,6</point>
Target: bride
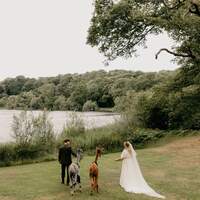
<point>131,178</point>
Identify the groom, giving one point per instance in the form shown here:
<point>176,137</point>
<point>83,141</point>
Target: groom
<point>65,159</point>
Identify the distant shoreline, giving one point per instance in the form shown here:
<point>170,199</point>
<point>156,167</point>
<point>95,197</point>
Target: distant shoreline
<point>103,110</point>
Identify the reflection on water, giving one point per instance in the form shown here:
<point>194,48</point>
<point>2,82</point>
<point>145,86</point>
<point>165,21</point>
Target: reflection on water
<point>58,118</point>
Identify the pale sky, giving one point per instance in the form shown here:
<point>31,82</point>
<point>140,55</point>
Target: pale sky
<point>48,37</point>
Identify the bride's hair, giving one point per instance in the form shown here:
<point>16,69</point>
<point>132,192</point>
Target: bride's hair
<point>127,146</point>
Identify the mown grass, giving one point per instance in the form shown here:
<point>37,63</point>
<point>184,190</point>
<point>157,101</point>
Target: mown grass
<point>172,170</point>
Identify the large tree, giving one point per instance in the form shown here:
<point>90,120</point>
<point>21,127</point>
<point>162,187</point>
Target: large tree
<point>118,27</point>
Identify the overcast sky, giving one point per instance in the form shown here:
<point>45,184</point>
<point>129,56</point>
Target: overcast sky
<point>48,37</point>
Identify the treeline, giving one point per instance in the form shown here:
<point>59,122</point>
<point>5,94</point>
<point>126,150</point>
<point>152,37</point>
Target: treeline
<point>89,91</point>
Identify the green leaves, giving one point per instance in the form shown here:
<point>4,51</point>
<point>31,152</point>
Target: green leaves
<point>118,28</point>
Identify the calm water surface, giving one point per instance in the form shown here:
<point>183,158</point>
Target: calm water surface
<point>58,118</point>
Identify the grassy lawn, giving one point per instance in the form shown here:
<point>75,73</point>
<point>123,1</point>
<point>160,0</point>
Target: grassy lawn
<point>172,170</point>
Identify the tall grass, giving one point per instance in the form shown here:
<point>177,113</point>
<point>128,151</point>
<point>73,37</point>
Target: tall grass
<point>40,143</point>
<point>7,154</point>
<point>11,154</point>
<point>111,137</point>
<point>89,139</point>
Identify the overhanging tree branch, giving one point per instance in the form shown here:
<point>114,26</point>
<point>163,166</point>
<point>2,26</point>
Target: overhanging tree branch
<point>189,55</point>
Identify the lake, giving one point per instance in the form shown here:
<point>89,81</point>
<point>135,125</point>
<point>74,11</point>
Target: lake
<point>58,118</point>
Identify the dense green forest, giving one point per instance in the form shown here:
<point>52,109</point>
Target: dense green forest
<point>89,91</point>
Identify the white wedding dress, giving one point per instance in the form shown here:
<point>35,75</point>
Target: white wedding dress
<point>131,178</point>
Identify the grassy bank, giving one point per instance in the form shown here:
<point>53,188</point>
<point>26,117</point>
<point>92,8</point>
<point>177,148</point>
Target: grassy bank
<point>171,169</point>
<point>110,137</point>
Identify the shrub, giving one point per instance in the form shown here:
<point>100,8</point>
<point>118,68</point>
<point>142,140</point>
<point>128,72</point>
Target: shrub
<point>7,154</point>
<point>23,130</point>
<point>34,136</point>
<point>44,136</point>
<point>90,106</point>
<point>74,126</point>
<point>3,101</point>
<point>28,152</point>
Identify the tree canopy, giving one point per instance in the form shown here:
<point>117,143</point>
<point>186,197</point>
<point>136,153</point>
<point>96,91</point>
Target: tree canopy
<point>89,91</point>
<point>118,27</point>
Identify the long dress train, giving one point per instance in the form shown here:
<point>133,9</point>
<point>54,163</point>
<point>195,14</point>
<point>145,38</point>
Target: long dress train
<point>131,178</point>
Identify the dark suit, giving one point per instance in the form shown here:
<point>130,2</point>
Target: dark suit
<point>65,159</point>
